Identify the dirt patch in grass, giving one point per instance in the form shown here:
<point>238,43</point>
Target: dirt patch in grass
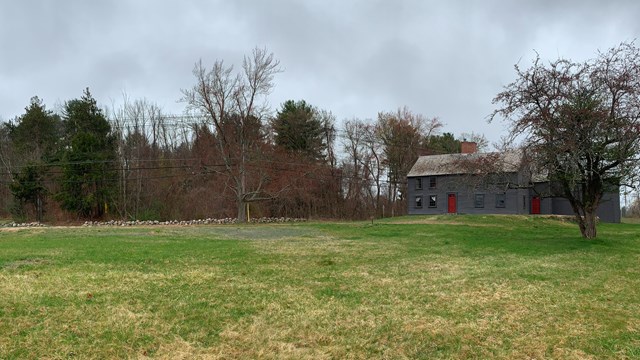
<point>495,221</point>
<point>25,262</point>
<point>11,229</point>
<point>438,222</point>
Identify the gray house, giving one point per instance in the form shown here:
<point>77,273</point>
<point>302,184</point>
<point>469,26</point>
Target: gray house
<point>440,184</point>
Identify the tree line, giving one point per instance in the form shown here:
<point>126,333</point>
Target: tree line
<point>228,156</point>
<point>232,156</point>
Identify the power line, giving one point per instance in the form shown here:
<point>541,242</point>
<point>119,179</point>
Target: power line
<point>180,120</point>
<point>200,168</point>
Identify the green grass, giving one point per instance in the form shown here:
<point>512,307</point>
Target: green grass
<point>415,287</point>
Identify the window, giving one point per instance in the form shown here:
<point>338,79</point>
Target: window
<point>479,201</point>
<point>418,183</point>
<point>500,200</point>
<point>418,201</point>
<point>433,201</point>
<point>432,182</point>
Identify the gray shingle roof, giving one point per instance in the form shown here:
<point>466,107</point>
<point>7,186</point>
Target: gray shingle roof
<point>450,164</point>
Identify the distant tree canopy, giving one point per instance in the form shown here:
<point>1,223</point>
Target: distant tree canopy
<point>447,143</point>
<point>88,160</point>
<point>298,128</point>
<point>441,144</point>
<point>580,123</point>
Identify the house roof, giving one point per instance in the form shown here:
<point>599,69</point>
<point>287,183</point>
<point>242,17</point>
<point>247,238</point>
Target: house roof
<point>451,164</point>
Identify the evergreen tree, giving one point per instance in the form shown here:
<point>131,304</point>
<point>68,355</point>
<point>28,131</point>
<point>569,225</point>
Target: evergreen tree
<point>36,134</point>
<point>298,128</point>
<point>442,144</point>
<point>36,137</point>
<point>28,188</point>
<point>89,159</point>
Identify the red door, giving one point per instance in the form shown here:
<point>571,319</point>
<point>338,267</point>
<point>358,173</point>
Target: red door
<point>452,208</point>
<point>535,205</point>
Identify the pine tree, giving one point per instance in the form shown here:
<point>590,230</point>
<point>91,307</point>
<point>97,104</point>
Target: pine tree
<point>36,137</point>
<point>298,128</point>
<point>89,159</point>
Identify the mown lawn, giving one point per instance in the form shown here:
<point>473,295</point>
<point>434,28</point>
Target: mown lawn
<point>416,287</point>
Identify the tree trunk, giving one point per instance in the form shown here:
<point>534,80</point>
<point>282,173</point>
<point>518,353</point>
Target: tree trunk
<point>242,186</point>
<point>242,211</point>
<point>241,193</point>
<point>587,224</point>
<point>39,208</point>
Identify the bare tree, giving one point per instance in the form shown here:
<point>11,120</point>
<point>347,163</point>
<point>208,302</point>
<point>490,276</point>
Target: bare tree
<point>7,156</point>
<point>364,169</point>
<point>232,102</point>
<point>7,151</point>
<point>138,149</point>
<point>374,167</point>
<point>580,123</point>
<point>328,121</point>
<point>634,209</point>
<point>481,141</point>
<point>402,134</point>
<point>355,148</point>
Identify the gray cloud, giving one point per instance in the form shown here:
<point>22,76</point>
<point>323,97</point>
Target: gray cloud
<point>355,58</point>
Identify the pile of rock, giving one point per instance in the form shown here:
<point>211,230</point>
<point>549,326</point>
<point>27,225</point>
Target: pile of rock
<point>156,222</point>
<point>209,221</point>
<point>268,220</point>
<point>31,224</point>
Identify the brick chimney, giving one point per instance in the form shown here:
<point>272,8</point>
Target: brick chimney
<point>468,147</point>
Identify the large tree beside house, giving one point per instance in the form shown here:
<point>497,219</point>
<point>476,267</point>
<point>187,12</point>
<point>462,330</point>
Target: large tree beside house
<point>579,123</point>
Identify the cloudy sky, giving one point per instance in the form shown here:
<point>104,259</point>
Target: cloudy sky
<point>443,59</point>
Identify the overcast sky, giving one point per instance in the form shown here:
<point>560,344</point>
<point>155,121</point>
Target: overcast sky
<point>444,59</point>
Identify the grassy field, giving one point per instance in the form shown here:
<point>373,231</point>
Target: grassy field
<point>446,287</point>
